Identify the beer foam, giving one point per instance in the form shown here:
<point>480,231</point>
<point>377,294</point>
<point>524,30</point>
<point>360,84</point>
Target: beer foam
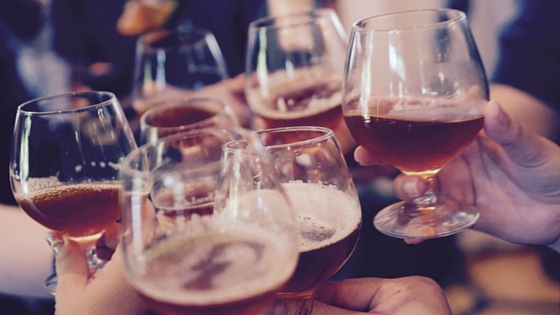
<point>425,108</point>
<point>281,84</point>
<point>325,214</point>
<point>434,111</point>
<point>239,261</point>
<point>52,187</point>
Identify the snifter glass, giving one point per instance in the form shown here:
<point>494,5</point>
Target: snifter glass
<point>64,165</point>
<point>294,68</point>
<point>207,227</point>
<point>316,178</point>
<point>414,95</point>
<point>172,64</point>
<point>184,115</point>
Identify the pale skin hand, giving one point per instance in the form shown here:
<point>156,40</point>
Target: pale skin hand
<point>510,174</point>
<point>401,296</point>
<point>107,292</point>
<point>530,111</point>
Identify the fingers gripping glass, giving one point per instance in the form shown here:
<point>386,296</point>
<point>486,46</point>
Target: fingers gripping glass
<point>64,165</point>
<point>414,96</point>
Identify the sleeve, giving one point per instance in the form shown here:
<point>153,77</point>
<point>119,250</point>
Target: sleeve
<point>529,53</point>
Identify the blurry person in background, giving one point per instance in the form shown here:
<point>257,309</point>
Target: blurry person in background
<point>98,37</point>
<point>85,34</point>
<point>20,22</point>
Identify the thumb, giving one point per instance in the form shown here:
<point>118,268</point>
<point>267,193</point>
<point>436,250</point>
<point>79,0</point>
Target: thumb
<point>71,267</point>
<point>364,157</point>
<point>522,146</point>
<point>237,83</point>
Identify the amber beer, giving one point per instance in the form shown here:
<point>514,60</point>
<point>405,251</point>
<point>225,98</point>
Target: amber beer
<point>184,115</point>
<point>415,138</point>
<point>179,116</point>
<point>78,210</point>
<point>230,272</point>
<point>315,105</point>
<point>329,222</point>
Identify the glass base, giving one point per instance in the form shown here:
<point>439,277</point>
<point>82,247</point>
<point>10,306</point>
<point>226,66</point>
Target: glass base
<point>410,221</point>
<point>50,283</point>
<point>88,244</point>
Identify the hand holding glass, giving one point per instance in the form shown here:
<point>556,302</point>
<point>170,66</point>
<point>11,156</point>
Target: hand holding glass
<point>414,95</point>
<point>64,165</point>
<point>207,227</point>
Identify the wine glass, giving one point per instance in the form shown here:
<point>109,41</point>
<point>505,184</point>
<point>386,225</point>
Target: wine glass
<point>171,64</point>
<point>294,69</point>
<point>183,115</point>
<point>64,165</point>
<point>414,95</point>
<point>207,227</point>
<point>316,178</point>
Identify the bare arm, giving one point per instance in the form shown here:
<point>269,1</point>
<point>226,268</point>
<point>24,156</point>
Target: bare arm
<point>530,111</point>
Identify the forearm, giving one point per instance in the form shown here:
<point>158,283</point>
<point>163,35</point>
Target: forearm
<point>533,113</point>
<point>25,256</point>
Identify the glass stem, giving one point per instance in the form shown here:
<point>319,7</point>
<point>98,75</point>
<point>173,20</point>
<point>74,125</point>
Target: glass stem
<point>429,198</point>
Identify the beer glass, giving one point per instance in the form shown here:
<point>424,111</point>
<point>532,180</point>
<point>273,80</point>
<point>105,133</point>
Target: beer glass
<point>316,178</point>
<point>294,69</point>
<point>414,95</point>
<point>171,64</point>
<point>183,115</point>
<point>207,227</point>
<point>64,165</point>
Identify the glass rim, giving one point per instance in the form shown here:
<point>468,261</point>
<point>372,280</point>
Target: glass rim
<point>180,103</point>
<point>187,134</point>
<point>69,95</point>
<point>270,22</point>
<point>327,134</point>
<point>201,35</point>
<point>454,16</point>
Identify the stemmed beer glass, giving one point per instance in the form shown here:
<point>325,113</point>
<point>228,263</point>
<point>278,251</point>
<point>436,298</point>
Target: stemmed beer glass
<point>414,95</point>
<point>207,227</point>
<point>316,178</point>
<point>64,165</point>
<point>171,64</point>
<point>294,69</point>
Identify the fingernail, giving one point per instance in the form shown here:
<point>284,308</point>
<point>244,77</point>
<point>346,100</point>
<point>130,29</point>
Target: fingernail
<point>503,118</point>
<point>410,188</point>
<point>360,156</point>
